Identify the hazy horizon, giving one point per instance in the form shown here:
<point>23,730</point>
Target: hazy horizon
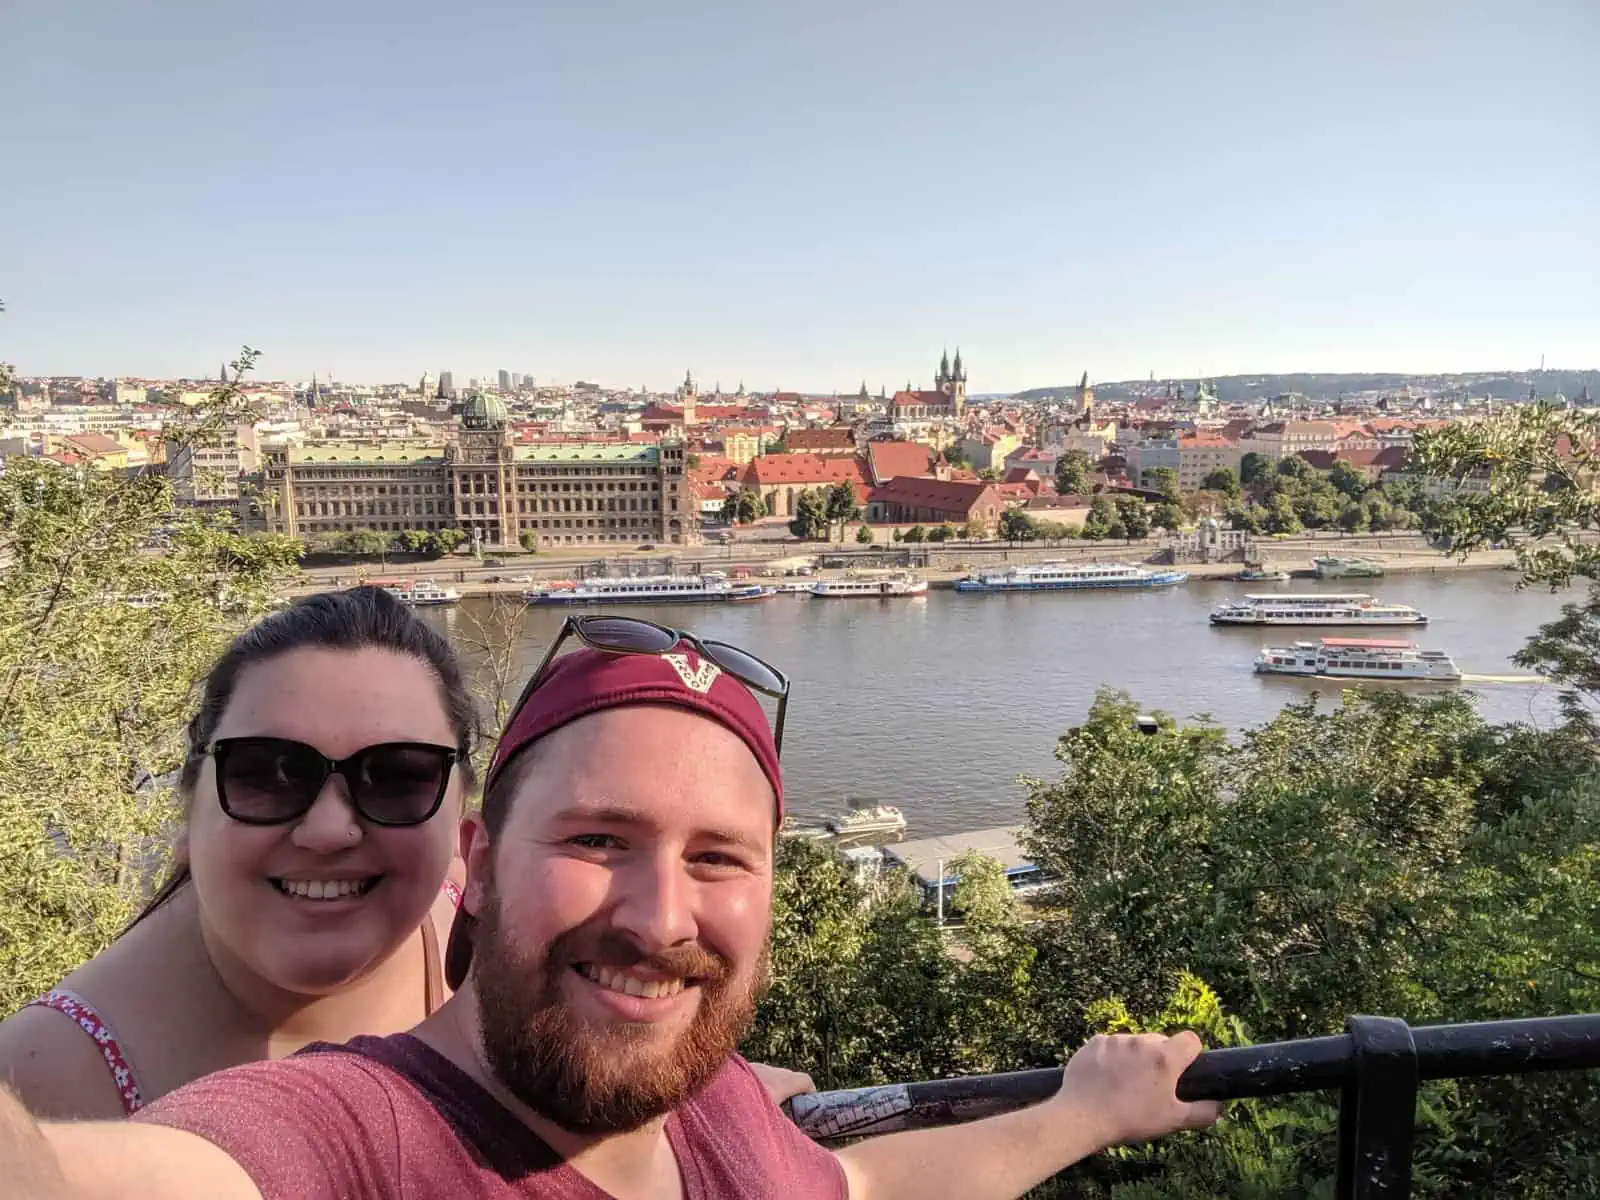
<point>803,197</point>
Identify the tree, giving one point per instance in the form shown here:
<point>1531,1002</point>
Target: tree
<point>810,520</point>
<point>691,462</point>
<point>493,635</point>
<point>976,529</point>
<point>1353,518</point>
<point>864,535</point>
<point>1055,531</point>
<point>1348,480</point>
<point>1253,467</point>
<point>528,539</point>
<point>1293,467</point>
<point>1097,524</point>
<point>448,541</point>
<point>955,455</point>
<point>915,534</point>
<point>1133,517</point>
<point>1072,473</point>
<point>841,506</point>
<point>1165,481</point>
<point>1280,516</point>
<point>989,475</point>
<point>1221,480</point>
<point>365,543</point>
<point>415,541</point>
<point>101,644</point>
<point>741,508</point>
<point>1168,517</point>
<point>1018,526</point>
<point>940,533</point>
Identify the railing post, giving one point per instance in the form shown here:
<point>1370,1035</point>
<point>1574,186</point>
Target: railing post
<point>1378,1112</point>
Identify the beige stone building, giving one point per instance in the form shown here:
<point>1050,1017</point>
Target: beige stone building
<point>565,494</point>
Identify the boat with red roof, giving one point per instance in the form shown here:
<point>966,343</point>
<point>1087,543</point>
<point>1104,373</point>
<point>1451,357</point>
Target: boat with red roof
<point>1357,658</point>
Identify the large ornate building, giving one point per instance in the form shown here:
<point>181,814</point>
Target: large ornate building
<point>487,486</point>
<point>947,400</point>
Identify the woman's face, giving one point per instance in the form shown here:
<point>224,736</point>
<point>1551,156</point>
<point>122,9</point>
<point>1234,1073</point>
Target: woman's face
<point>314,904</point>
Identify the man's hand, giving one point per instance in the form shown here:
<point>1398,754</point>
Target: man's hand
<point>782,1084</point>
<point>1125,1087</point>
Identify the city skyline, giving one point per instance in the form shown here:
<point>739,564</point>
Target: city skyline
<point>805,199</point>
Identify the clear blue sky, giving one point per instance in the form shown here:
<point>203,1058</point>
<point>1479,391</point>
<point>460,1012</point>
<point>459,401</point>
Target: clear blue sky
<point>800,194</point>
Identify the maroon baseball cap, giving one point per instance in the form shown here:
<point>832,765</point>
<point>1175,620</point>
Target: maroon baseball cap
<point>590,681</point>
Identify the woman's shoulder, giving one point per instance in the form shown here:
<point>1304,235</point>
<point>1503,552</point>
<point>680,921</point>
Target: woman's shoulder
<point>57,1067</point>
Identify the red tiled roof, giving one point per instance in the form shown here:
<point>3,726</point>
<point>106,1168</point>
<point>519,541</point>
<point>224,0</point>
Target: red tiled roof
<point>891,459</point>
<point>769,470</point>
<point>1021,475</point>
<point>96,443</point>
<point>953,495</point>
<point>1205,439</point>
<point>834,438</point>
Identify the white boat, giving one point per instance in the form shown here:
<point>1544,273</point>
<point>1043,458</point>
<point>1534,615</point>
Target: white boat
<point>650,589</point>
<point>1329,608</point>
<point>424,593</point>
<point>880,818</point>
<point>1356,658</point>
<point>1331,566</point>
<point>1067,576</point>
<point>871,586</point>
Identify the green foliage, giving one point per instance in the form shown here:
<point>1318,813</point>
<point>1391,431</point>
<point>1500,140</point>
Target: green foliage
<point>989,475</point>
<point>741,508</point>
<point>1347,480</point>
<point>1168,517</point>
<point>1097,524</point>
<point>528,539</point>
<point>101,643</point>
<point>1293,467</point>
<point>915,534</point>
<point>1018,526</point>
<point>941,533</point>
<point>840,506</point>
<point>1056,531</point>
<point>1253,466</point>
<point>810,520</point>
<point>864,535</point>
<point>364,543</point>
<point>1524,477</point>
<point>415,541</point>
<point>975,530</point>
<point>1221,480</point>
<point>955,455</point>
<point>1072,473</point>
<point>448,541</point>
<point>1165,481</point>
<point>1133,516</point>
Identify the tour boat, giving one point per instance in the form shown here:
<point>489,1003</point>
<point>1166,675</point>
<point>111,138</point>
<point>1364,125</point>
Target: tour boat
<point>650,589</point>
<point>1331,566</point>
<point>424,593</point>
<point>1066,576</point>
<point>871,586</point>
<point>879,818</point>
<point>1356,658</point>
<point>1330,608</point>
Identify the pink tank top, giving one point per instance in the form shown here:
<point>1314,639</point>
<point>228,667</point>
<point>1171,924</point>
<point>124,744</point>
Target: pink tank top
<point>70,1004</point>
<point>385,1117</point>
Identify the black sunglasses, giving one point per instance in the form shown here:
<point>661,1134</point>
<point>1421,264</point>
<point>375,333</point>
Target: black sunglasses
<point>272,781</point>
<point>634,635</point>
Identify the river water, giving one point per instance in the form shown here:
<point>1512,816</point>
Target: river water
<point>938,703</point>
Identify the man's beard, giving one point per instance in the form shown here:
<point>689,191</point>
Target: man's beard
<point>599,1079</point>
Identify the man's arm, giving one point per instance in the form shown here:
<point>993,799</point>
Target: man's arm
<point>1115,1090</point>
<point>97,1160</point>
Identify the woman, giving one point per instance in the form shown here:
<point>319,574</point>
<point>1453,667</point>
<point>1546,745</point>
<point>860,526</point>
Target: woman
<point>304,907</point>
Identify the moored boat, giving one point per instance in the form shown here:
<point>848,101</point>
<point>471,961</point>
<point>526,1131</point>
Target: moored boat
<point>651,589</point>
<point>1357,658</point>
<point>1331,608</point>
<point>869,587</point>
<point>1065,576</point>
<point>424,593</point>
<point>1333,566</point>
<point>1261,574</point>
<point>878,818</point>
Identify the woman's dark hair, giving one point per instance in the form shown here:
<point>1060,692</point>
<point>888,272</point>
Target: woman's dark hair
<point>357,619</point>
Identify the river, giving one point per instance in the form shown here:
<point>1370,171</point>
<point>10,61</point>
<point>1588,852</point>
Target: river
<point>938,703</point>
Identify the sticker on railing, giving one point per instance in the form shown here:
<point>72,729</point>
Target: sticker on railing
<point>852,1113</point>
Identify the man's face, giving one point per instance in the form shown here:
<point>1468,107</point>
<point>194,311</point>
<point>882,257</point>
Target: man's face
<point>624,914</point>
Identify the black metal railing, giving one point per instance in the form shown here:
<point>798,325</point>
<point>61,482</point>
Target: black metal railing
<point>1376,1065</point>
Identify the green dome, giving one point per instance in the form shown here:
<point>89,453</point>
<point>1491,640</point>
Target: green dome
<point>483,412</point>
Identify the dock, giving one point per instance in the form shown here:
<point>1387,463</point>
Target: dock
<point>925,859</point>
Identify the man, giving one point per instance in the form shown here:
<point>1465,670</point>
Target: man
<point>609,957</point>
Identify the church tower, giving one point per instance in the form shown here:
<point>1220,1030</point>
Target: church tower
<point>687,394</point>
<point>952,381</point>
<point>1085,398</point>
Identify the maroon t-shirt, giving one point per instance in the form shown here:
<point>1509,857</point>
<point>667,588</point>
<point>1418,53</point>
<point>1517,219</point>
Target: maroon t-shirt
<point>391,1117</point>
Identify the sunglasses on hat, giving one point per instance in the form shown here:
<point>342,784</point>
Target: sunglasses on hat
<point>272,781</point>
<point>634,635</point>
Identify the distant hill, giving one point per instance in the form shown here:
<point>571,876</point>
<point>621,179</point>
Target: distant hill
<point>1330,385</point>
